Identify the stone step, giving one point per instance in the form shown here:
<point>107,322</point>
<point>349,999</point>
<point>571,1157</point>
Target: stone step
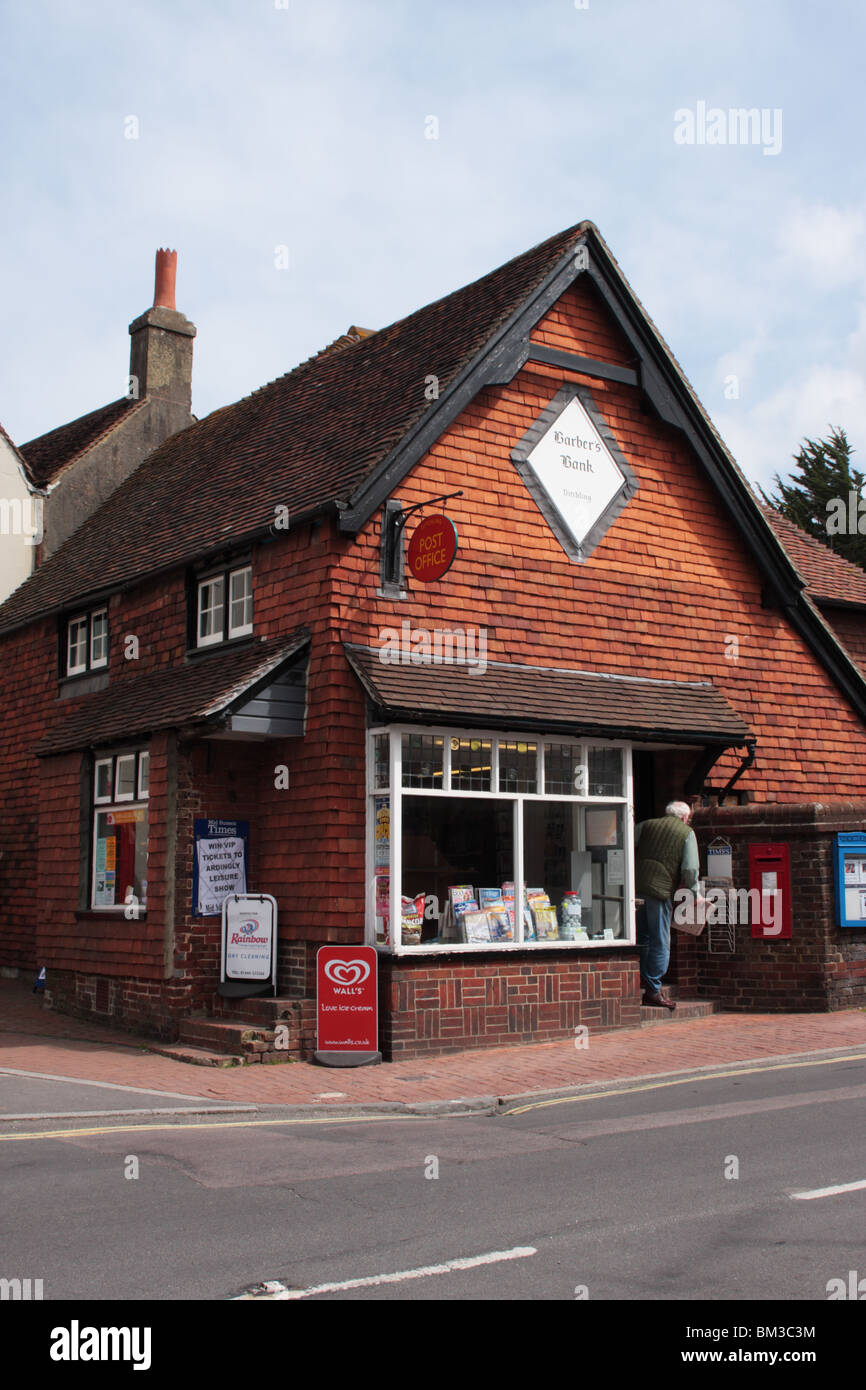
<point>686,1008</point>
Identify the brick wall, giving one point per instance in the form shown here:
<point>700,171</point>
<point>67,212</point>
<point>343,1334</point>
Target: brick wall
<point>822,967</point>
<point>429,1006</point>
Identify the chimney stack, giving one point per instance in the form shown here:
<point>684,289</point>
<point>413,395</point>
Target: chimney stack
<point>160,354</point>
<point>165,280</point>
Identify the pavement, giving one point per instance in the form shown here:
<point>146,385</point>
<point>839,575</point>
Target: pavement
<point>48,1046</point>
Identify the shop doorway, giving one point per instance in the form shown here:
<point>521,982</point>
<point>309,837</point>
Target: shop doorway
<point>644,785</point>
<point>651,779</point>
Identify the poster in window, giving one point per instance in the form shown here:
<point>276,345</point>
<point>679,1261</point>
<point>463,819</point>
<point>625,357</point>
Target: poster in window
<point>220,863</point>
<point>601,827</point>
<point>382,831</point>
<point>103,881</point>
<point>615,867</point>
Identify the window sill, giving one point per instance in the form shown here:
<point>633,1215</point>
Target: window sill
<point>505,947</point>
<point>70,687</point>
<point>231,644</point>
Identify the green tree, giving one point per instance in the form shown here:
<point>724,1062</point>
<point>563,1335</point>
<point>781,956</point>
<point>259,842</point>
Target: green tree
<point>823,495</point>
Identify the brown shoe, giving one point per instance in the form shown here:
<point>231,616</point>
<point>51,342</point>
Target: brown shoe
<point>658,1001</point>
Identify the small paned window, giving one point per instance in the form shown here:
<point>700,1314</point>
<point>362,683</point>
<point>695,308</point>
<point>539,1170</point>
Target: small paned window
<point>124,778</point>
<point>563,770</point>
<point>143,775</point>
<point>381,766</point>
<point>211,611</point>
<point>422,760</point>
<point>518,767</point>
<point>224,606</point>
<point>99,638</point>
<point>471,763</point>
<point>605,772</point>
<point>76,647</point>
<point>86,643</point>
<point>241,605</point>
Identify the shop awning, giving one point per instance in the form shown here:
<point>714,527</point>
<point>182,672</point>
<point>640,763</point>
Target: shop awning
<point>206,693</point>
<point>508,696</point>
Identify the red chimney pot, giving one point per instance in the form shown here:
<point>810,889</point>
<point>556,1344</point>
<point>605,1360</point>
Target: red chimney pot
<point>166,276</point>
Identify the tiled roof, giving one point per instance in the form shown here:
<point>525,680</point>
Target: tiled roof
<point>303,441</point>
<point>352,335</point>
<point>577,702</point>
<point>829,577</point>
<point>51,452</point>
<point>166,698</point>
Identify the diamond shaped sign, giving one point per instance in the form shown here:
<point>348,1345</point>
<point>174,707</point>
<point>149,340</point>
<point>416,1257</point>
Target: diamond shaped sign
<point>574,469</point>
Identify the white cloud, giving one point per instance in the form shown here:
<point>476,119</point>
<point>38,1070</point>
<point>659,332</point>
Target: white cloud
<point>824,244</point>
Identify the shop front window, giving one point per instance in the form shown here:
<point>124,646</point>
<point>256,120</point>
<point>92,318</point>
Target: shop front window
<point>120,827</point>
<point>489,841</point>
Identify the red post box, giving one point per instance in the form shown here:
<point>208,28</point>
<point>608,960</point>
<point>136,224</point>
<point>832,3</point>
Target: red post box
<point>770,891</point>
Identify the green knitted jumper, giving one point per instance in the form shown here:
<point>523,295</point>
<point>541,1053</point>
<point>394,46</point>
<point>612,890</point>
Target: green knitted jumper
<point>659,855</point>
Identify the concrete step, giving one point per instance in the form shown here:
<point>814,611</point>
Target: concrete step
<point>220,1035</point>
<point>686,1008</point>
<point>196,1056</point>
<point>265,1010</point>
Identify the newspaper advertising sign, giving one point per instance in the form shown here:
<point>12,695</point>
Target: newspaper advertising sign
<point>220,863</point>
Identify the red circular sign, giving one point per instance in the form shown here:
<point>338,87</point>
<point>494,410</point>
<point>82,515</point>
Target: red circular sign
<point>432,548</point>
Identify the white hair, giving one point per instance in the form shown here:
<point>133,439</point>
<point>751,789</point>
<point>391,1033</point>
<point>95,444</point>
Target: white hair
<point>678,808</point>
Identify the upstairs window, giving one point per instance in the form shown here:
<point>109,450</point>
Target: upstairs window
<point>86,647</point>
<point>224,607</point>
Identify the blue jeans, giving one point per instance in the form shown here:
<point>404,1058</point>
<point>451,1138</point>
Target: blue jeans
<point>654,938</point>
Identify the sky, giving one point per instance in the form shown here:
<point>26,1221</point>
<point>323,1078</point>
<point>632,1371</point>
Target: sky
<point>398,149</point>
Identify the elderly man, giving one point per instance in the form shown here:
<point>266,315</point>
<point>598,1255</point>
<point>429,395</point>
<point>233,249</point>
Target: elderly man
<point>666,854</point>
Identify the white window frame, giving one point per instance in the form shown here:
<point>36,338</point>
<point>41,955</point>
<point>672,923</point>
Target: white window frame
<point>143,783</point>
<point>125,796</point>
<point>396,791</point>
<point>102,805</point>
<point>212,638</point>
<point>240,629</point>
<point>97,662</point>
<point>103,800</point>
<point>79,621</point>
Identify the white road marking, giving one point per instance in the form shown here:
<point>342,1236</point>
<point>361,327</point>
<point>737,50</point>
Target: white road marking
<point>828,1191</point>
<point>104,1085</point>
<point>520,1252</point>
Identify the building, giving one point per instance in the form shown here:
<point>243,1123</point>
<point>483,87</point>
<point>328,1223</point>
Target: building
<point>78,465</point>
<point>242,638</point>
<point>21,517</point>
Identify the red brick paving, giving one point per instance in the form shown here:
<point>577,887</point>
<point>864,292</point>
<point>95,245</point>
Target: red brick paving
<point>35,1039</point>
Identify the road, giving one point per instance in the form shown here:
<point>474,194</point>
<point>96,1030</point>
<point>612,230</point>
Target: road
<point>667,1190</point>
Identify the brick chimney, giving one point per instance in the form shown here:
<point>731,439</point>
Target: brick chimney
<point>160,354</point>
